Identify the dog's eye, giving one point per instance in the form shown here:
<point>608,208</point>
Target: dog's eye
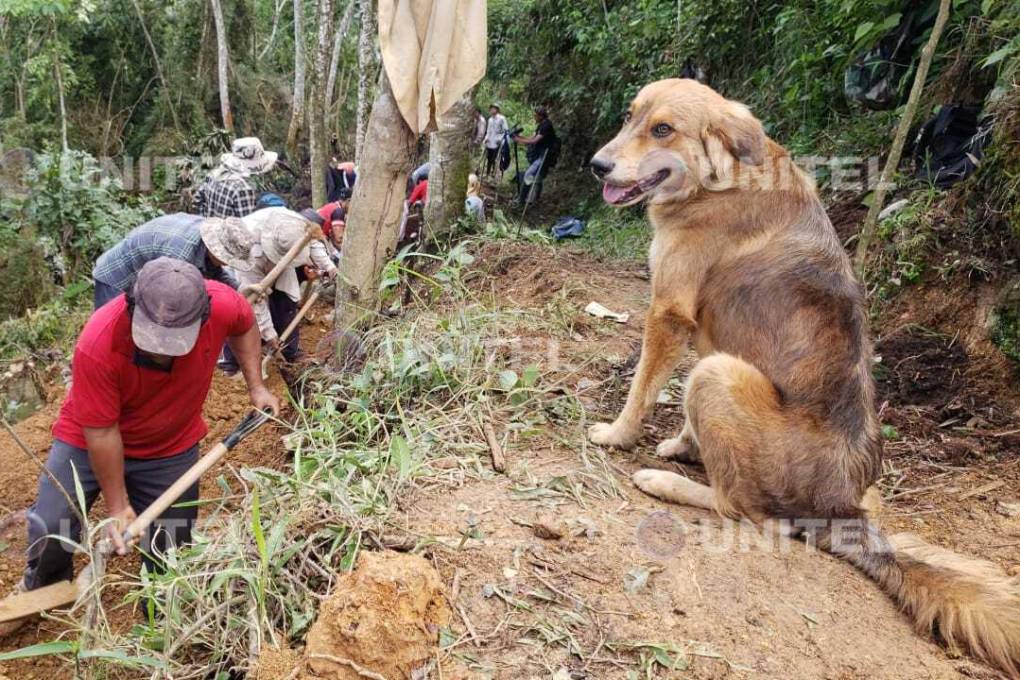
<point>661,130</point>
<point>626,117</point>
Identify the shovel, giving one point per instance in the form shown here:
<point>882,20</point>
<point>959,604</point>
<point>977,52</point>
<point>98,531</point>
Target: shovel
<point>309,303</point>
<point>67,592</point>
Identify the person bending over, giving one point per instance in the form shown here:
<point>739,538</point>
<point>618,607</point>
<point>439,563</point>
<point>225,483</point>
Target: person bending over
<point>131,422</point>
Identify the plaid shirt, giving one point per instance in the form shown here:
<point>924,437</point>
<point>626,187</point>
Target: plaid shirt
<point>176,236</point>
<point>228,197</point>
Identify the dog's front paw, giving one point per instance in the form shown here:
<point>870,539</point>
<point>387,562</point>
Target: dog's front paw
<point>605,434</point>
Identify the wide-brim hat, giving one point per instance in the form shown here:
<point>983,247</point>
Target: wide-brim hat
<point>170,305</point>
<point>281,233</point>
<point>247,155</point>
<point>229,241</point>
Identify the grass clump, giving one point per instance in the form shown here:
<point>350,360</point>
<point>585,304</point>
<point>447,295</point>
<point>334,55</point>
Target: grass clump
<point>52,326</point>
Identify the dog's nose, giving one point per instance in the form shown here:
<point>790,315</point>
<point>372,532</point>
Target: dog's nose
<point>600,167</point>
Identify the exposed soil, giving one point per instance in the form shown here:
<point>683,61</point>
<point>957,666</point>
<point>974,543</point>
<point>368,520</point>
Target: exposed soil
<point>385,616</point>
<point>538,604</point>
<point>560,568</point>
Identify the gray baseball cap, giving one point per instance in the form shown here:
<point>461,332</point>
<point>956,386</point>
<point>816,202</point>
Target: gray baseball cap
<point>171,303</point>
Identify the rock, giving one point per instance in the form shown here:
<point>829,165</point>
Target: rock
<point>384,616</point>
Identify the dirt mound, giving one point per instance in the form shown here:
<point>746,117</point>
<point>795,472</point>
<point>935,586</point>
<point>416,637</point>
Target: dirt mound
<point>276,663</point>
<point>384,617</point>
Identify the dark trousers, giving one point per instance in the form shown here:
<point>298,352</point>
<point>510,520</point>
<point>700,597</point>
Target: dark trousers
<point>282,310</point>
<point>490,160</point>
<point>49,558</point>
<point>103,293</point>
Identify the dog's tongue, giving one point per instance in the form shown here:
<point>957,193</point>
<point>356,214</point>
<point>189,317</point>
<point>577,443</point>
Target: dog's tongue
<point>614,194</point>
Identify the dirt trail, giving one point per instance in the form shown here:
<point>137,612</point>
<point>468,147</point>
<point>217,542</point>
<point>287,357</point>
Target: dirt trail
<point>785,612</point>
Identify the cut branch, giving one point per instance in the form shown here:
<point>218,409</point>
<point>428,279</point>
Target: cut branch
<point>871,221</point>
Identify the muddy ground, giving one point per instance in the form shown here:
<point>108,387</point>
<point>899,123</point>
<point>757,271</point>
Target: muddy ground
<point>560,569</point>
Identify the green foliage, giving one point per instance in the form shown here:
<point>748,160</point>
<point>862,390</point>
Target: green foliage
<point>1005,324</point>
<point>54,325</point>
<point>785,60</point>
<point>69,199</point>
<point>613,234</point>
<point>25,277</point>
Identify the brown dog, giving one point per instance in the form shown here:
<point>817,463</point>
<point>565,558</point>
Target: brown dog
<point>746,266</point>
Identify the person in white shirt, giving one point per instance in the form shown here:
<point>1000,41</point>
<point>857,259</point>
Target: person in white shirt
<point>494,133</point>
<point>275,230</point>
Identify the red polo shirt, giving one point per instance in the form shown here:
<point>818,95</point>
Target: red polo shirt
<point>420,192</point>
<point>159,412</point>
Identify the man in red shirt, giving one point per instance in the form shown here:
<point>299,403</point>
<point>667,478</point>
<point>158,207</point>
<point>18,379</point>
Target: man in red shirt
<point>419,193</point>
<point>132,420</point>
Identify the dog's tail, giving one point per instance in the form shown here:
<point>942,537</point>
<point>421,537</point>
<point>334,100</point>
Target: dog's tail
<point>969,602</point>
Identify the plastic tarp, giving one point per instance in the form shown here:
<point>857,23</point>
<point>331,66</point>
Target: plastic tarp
<point>433,51</point>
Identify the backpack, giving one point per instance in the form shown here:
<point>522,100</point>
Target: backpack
<point>950,146</point>
<point>504,153</point>
<point>567,227</point>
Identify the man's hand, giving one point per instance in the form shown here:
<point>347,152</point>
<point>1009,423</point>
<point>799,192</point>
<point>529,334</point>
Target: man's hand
<point>115,529</point>
<point>273,345</point>
<point>311,273</point>
<point>263,399</point>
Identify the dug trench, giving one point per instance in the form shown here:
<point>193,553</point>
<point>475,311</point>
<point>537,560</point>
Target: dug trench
<point>557,567</point>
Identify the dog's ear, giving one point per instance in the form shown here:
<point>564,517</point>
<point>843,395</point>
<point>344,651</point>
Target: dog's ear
<point>733,134</point>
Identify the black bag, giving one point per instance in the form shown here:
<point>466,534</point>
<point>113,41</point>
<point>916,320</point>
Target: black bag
<point>504,153</point>
<point>950,146</point>
<point>876,77</point>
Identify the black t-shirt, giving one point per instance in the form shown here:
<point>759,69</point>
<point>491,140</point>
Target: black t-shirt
<point>545,128</point>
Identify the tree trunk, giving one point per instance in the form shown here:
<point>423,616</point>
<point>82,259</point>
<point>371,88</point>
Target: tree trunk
<point>277,10</point>
<point>893,162</point>
<point>318,136</point>
<point>58,70</point>
<point>367,67</point>
<point>159,67</point>
<point>334,61</point>
<point>297,113</point>
<point>450,152</point>
<point>223,66</point>
<point>374,220</point>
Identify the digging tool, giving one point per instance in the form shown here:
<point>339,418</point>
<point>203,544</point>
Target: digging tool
<point>309,303</point>
<point>257,291</point>
<point>67,592</point>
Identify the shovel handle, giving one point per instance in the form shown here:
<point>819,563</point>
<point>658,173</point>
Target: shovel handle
<point>250,423</point>
<point>309,303</point>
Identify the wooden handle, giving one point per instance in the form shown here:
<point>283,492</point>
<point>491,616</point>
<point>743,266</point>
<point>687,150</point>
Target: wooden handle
<point>170,496</point>
<point>250,423</point>
<point>300,315</point>
<point>258,290</point>
<point>290,329</point>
